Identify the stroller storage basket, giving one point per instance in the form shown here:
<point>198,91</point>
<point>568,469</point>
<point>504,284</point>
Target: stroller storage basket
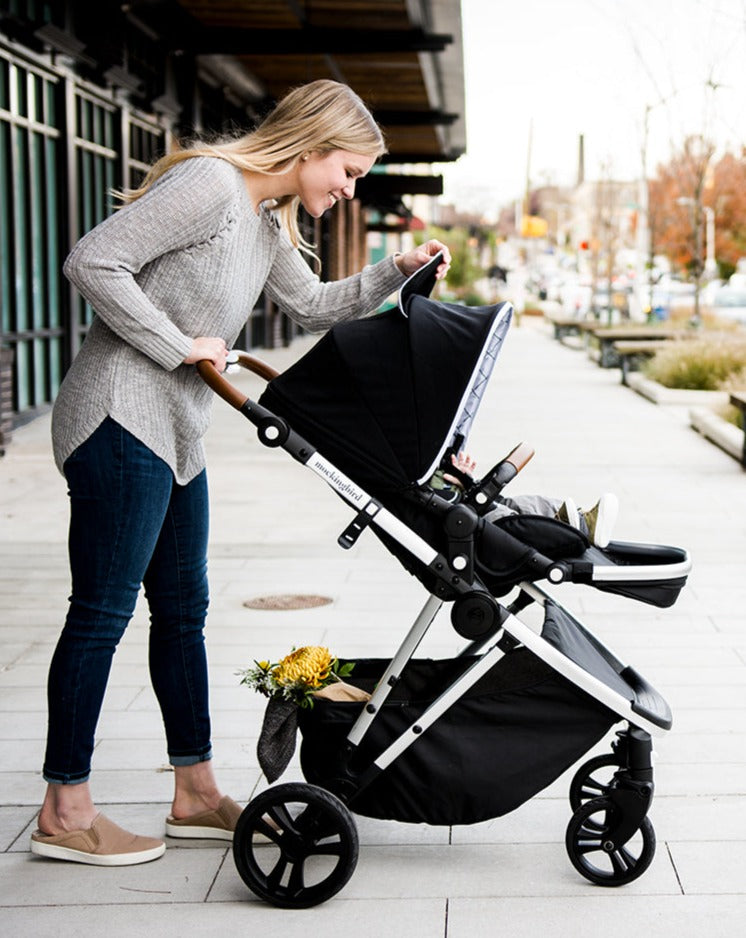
<point>512,734</point>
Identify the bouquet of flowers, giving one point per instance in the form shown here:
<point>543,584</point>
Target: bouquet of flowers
<point>299,676</point>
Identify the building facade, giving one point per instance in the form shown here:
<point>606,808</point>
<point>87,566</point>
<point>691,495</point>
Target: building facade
<point>92,94</point>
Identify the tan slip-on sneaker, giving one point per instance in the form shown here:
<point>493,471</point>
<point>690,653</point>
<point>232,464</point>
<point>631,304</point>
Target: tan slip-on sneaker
<point>214,825</point>
<point>103,844</point>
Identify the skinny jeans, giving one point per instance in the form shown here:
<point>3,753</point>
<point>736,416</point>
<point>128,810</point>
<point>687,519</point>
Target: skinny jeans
<point>131,524</point>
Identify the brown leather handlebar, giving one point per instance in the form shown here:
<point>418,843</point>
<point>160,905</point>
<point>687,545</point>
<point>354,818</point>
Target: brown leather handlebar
<point>521,455</point>
<point>220,385</point>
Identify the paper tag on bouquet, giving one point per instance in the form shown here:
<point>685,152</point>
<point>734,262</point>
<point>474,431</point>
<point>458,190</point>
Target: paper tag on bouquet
<point>340,691</point>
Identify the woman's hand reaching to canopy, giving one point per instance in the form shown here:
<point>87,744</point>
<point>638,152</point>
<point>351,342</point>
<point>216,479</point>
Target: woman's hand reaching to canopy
<point>412,261</point>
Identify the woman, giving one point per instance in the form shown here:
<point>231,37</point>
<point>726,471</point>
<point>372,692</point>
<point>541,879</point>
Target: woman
<point>173,276</point>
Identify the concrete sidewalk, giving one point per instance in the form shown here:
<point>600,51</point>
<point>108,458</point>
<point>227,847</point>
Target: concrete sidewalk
<point>274,532</point>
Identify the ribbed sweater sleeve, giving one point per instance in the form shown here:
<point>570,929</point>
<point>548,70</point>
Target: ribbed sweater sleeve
<point>316,306</point>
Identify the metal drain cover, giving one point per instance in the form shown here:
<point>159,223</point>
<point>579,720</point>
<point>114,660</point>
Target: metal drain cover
<point>287,601</point>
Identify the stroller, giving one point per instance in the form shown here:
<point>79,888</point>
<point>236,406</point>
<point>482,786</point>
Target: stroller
<point>387,400</point>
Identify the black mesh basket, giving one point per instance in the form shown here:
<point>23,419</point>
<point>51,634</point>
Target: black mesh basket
<point>513,733</point>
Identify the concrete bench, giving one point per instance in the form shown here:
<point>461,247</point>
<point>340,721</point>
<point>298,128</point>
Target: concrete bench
<point>564,326</point>
<point>607,337</point>
<point>633,352</point>
<point>738,399</point>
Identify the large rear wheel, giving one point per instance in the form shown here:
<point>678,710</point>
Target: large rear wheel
<point>295,845</point>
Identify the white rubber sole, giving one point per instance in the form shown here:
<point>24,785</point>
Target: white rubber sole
<point>56,852</point>
<point>193,832</point>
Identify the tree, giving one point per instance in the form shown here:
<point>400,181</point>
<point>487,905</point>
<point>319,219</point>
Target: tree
<point>465,268</point>
<point>729,204</point>
<point>694,179</point>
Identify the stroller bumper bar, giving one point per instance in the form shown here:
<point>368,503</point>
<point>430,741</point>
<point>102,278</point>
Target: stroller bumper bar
<point>587,572</point>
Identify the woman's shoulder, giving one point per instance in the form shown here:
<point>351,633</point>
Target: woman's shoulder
<point>200,171</point>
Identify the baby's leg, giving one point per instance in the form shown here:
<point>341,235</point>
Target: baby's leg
<point>533,505</point>
<point>523,505</point>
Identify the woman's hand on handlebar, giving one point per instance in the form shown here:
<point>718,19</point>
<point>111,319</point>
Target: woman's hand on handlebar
<point>208,348</point>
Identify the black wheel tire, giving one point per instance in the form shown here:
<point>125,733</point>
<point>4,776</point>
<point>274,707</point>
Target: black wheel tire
<point>591,781</point>
<point>596,861</point>
<point>307,850</point>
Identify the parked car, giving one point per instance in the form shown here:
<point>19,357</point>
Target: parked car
<point>730,303</point>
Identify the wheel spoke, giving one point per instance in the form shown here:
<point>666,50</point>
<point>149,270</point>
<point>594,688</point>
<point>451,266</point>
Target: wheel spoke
<point>269,831</point>
<point>592,830</point>
<point>275,877</point>
<point>591,788</point>
<point>331,849</point>
<point>317,824</point>
<point>296,883</point>
<point>622,860</point>
<point>588,846</point>
<point>282,818</point>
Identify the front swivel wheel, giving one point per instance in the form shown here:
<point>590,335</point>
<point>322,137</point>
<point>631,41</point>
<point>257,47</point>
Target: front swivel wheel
<point>593,779</point>
<point>295,845</point>
<point>593,852</point>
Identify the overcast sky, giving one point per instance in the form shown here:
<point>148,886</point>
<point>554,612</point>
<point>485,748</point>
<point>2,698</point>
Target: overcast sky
<point>546,71</point>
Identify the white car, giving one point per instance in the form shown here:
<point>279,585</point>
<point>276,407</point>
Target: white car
<point>730,303</point>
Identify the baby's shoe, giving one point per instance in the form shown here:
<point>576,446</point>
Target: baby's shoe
<point>568,512</point>
<point>600,519</point>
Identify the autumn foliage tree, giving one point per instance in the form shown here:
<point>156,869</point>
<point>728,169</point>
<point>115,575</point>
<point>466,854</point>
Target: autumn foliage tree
<point>692,179</point>
<point>729,203</point>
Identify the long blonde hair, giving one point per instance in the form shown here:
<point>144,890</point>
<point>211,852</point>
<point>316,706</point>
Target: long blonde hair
<point>321,115</point>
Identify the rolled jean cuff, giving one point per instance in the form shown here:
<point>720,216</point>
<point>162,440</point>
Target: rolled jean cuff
<point>51,779</point>
<point>192,759</point>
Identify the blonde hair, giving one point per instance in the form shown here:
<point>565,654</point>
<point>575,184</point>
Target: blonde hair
<point>319,116</point>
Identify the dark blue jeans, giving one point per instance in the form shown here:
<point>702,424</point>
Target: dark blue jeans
<point>130,525</point>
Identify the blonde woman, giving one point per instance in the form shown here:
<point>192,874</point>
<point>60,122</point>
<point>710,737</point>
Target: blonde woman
<point>173,276</point>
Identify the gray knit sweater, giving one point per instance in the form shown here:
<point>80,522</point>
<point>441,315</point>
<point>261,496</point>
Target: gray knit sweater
<point>187,259</point>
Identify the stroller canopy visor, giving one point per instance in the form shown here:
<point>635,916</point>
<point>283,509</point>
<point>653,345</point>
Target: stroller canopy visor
<point>384,397</point>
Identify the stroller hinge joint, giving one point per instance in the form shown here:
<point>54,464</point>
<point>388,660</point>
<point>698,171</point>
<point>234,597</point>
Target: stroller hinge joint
<point>460,526</point>
<point>507,643</point>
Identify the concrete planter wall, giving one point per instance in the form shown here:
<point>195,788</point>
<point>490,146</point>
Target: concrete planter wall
<point>720,432</point>
<point>659,395</point>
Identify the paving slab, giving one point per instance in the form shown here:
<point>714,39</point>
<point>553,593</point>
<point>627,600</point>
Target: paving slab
<point>274,530</point>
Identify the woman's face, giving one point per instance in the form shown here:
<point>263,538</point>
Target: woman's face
<point>325,178</point>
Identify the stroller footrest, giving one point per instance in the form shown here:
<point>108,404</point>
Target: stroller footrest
<point>647,702</point>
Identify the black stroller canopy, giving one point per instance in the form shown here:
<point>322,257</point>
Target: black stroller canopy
<point>384,397</point>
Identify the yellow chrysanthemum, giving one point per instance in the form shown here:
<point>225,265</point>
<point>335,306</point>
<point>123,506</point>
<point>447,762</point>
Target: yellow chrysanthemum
<point>309,665</point>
